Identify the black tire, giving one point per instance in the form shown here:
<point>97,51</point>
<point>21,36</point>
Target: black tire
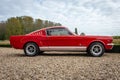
<point>31,49</point>
<point>41,52</point>
<point>96,49</point>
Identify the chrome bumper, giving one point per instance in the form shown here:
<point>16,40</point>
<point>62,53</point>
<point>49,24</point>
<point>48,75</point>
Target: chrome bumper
<point>110,44</point>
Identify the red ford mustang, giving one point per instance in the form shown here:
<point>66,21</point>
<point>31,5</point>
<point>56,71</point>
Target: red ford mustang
<point>59,38</point>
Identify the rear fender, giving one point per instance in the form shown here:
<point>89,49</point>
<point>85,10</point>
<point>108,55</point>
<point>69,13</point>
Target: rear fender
<point>34,40</point>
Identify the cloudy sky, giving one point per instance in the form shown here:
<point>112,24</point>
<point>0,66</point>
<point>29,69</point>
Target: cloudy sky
<point>93,17</point>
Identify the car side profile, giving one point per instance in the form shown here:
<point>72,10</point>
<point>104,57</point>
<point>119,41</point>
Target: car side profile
<point>59,38</point>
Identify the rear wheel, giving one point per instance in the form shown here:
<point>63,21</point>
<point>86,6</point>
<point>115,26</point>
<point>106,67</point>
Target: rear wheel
<point>96,49</point>
<point>31,49</point>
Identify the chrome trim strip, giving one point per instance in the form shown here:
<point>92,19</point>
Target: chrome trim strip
<point>110,44</point>
<point>63,48</point>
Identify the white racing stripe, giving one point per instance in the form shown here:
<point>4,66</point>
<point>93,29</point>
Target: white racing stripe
<point>64,48</point>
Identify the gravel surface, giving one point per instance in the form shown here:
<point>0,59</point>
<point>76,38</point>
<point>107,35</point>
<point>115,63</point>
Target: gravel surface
<point>58,66</point>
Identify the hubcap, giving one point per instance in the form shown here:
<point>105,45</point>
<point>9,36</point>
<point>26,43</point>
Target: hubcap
<point>96,49</point>
<point>30,49</point>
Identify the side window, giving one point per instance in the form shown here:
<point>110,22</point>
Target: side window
<point>58,32</point>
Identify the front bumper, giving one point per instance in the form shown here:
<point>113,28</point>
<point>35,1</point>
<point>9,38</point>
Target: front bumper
<point>110,45</point>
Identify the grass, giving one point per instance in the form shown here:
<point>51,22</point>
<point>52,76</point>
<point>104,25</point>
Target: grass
<point>116,37</point>
<point>5,43</point>
<point>116,41</point>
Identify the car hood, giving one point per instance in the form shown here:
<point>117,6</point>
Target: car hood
<point>98,37</point>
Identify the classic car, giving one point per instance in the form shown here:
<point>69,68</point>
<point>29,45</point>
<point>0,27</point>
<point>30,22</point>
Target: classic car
<point>59,38</point>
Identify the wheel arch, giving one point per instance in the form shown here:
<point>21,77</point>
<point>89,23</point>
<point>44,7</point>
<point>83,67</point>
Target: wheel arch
<point>96,42</point>
<point>30,42</point>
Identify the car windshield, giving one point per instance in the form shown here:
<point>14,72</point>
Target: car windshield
<point>58,32</point>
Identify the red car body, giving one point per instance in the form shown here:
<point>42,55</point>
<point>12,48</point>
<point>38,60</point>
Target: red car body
<point>59,38</point>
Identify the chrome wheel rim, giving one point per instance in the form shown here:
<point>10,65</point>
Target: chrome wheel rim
<point>30,49</point>
<point>96,49</point>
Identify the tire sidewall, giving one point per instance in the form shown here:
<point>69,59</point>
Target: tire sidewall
<point>36,49</point>
<point>96,55</point>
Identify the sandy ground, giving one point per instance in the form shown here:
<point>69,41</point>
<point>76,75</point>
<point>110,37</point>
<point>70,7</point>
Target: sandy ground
<point>58,66</point>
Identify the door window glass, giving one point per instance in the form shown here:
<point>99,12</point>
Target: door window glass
<point>58,32</point>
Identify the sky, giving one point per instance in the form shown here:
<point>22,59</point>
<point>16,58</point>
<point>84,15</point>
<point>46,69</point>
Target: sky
<point>93,17</point>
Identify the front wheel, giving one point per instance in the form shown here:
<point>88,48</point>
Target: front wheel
<point>41,52</point>
<point>96,49</point>
<point>31,49</point>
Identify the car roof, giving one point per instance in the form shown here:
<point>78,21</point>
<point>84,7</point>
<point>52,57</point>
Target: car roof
<point>45,29</point>
<point>53,27</point>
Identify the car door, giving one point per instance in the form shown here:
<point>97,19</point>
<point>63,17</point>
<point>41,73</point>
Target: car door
<point>62,37</point>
